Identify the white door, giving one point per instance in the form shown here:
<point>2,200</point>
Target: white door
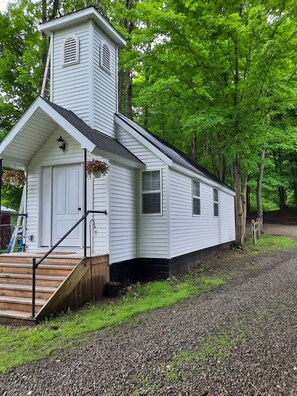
<point>66,204</point>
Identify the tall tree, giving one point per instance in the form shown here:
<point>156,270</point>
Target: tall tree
<point>233,66</point>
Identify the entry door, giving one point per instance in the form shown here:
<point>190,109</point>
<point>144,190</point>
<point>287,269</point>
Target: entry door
<point>66,204</point>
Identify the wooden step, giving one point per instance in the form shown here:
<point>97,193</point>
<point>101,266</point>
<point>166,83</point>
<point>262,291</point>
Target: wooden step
<point>44,269</point>
<point>12,290</point>
<point>20,303</point>
<point>18,258</point>
<point>9,317</point>
<point>60,282</point>
<point>26,279</point>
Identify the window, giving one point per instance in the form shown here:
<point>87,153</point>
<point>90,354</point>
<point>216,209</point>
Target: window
<point>215,202</point>
<point>151,192</point>
<point>105,57</point>
<point>196,197</point>
<point>71,51</point>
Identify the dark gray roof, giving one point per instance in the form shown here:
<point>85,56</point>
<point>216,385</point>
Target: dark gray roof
<point>171,152</point>
<point>101,140</point>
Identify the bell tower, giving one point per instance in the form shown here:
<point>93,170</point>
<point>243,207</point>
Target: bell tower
<point>84,66</point>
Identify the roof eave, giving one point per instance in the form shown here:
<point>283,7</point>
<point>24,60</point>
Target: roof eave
<point>80,16</point>
<point>39,103</point>
<point>143,140</point>
<point>117,158</point>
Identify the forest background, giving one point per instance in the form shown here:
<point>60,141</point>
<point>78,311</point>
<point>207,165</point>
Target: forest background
<point>215,78</point>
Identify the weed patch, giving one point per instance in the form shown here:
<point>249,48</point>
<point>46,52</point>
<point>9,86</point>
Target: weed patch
<point>269,244</point>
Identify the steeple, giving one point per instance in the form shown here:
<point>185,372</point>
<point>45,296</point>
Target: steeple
<point>84,66</point>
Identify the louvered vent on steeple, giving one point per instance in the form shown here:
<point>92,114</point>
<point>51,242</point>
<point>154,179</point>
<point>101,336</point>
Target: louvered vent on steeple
<point>105,57</point>
<point>71,51</point>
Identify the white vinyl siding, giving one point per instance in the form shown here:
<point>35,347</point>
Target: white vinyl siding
<point>153,231</point>
<point>50,155</point>
<point>100,201</point>
<point>85,87</point>
<point>190,233</point>
<point>227,218</point>
<point>46,207</point>
<point>32,240</point>
<point>123,213</point>
<point>104,85</point>
<point>70,85</point>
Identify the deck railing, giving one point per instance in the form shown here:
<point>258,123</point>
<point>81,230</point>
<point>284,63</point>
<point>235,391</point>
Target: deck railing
<point>35,263</point>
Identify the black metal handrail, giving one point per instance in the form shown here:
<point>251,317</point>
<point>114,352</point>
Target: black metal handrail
<point>35,264</point>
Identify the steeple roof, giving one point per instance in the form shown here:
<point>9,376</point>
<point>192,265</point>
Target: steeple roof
<point>78,17</point>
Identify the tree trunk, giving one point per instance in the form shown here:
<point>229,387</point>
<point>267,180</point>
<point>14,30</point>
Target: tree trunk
<point>56,5</point>
<point>239,181</point>
<point>282,197</point>
<point>259,191</point>
<point>295,192</point>
<point>43,82</point>
<point>248,199</point>
<point>125,79</point>
<point>128,110</point>
<point>222,161</point>
<point>244,180</point>
<point>120,90</point>
<point>44,9</point>
<point>194,146</point>
<point>294,176</point>
<point>240,187</point>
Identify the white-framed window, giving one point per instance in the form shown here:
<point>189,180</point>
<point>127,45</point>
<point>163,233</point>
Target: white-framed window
<point>215,202</point>
<point>196,197</point>
<point>71,51</point>
<point>105,61</point>
<point>151,192</point>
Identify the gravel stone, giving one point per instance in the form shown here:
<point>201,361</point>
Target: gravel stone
<point>239,339</point>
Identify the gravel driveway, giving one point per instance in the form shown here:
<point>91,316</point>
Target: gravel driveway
<point>240,339</point>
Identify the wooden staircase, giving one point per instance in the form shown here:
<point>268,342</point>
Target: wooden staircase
<point>16,284</point>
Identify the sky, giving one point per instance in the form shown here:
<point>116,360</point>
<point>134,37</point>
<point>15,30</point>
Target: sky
<point>3,4</point>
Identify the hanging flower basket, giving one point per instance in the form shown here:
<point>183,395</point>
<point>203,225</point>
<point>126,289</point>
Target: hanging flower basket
<point>96,168</point>
<point>13,177</point>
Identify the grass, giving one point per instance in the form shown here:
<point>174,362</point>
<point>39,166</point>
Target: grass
<point>19,345</point>
<point>269,244</point>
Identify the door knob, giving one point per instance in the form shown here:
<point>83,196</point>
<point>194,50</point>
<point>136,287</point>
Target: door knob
<point>78,208</point>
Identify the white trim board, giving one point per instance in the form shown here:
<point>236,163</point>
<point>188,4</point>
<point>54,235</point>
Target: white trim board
<point>39,103</point>
<point>79,17</point>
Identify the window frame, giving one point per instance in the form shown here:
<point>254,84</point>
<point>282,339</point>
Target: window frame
<point>196,197</point>
<point>76,61</point>
<point>101,63</point>
<point>151,192</point>
<point>216,202</point>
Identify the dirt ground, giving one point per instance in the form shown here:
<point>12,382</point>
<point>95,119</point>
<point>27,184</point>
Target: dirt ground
<point>278,222</point>
<point>287,216</point>
<point>281,229</point>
